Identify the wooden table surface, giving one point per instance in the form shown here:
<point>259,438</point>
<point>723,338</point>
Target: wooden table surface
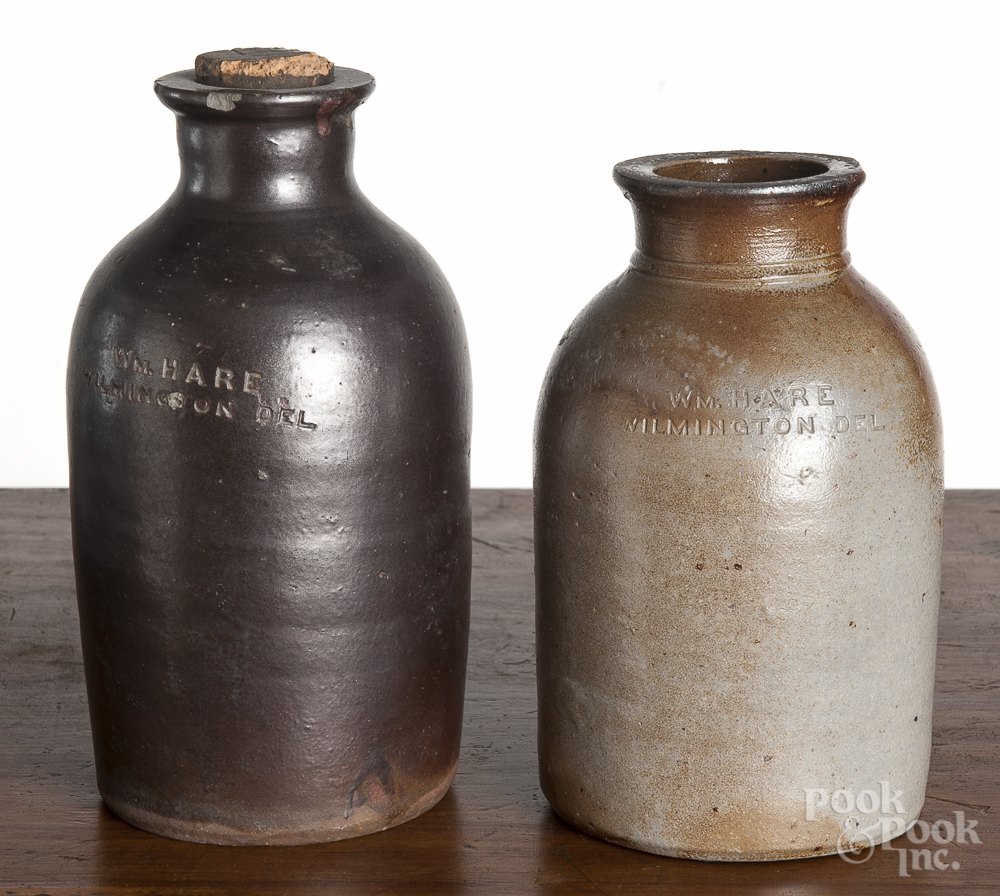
<point>493,832</point>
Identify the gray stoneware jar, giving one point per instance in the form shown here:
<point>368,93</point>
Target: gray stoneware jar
<point>269,417</point>
<point>738,498</point>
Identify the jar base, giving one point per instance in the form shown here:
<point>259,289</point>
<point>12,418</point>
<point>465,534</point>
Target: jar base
<point>812,846</point>
<point>364,820</point>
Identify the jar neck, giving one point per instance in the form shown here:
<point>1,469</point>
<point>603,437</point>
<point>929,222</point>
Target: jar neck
<point>270,166</point>
<point>693,223</point>
<point>263,151</point>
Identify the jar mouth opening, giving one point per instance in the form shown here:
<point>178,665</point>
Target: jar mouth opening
<point>739,173</point>
<point>741,169</point>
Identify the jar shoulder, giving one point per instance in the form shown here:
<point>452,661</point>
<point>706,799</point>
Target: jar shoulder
<point>641,328</point>
<point>313,308</point>
<point>351,249</point>
<point>352,276</point>
<point>690,357</point>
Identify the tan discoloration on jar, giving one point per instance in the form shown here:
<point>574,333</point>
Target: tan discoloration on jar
<point>738,528</point>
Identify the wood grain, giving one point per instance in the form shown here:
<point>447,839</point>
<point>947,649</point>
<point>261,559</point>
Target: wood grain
<point>493,832</point>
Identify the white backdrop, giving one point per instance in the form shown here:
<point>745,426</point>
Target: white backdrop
<point>491,138</point>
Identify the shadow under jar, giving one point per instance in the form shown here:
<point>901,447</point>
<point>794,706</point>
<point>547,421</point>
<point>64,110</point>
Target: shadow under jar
<point>269,416</point>
<point>738,498</point>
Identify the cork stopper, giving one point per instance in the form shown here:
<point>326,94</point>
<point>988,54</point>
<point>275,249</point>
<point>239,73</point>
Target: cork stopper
<point>272,68</point>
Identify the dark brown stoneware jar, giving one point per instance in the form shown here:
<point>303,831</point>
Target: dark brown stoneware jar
<point>269,417</point>
<point>738,496</point>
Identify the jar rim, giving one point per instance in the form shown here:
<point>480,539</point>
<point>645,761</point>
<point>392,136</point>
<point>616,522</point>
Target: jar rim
<point>739,173</point>
<point>185,96</point>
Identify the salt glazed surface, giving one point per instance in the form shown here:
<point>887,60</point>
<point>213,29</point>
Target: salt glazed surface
<point>738,500</point>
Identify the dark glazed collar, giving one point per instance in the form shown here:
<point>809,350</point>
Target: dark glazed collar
<point>186,97</point>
